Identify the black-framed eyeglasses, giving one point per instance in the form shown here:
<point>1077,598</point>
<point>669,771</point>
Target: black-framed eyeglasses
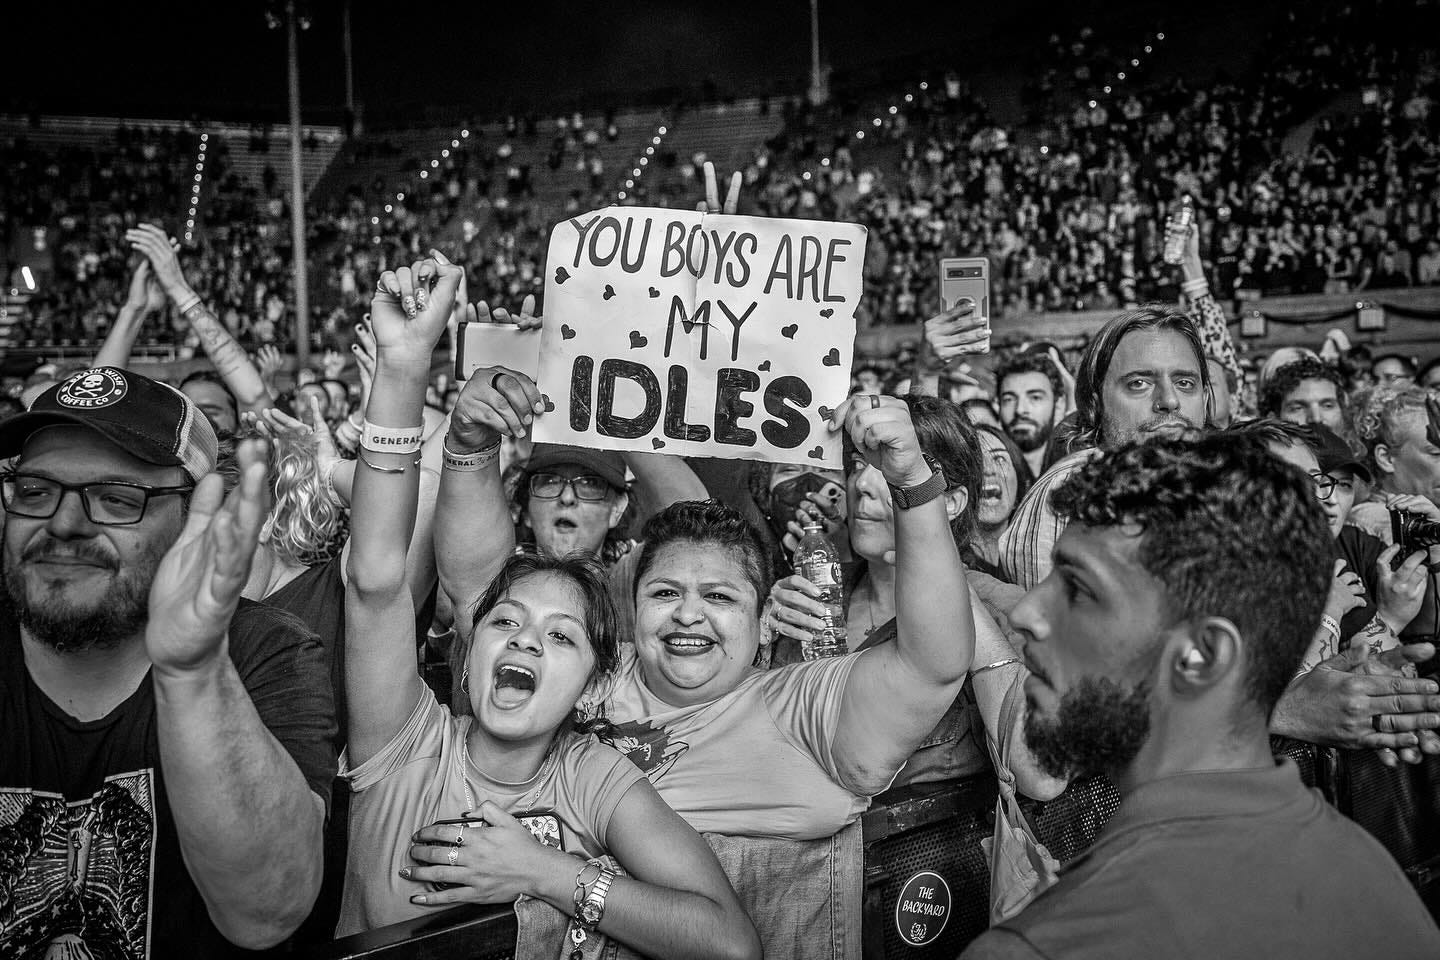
<point>1324,485</point>
<point>548,486</point>
<point>110,503</point>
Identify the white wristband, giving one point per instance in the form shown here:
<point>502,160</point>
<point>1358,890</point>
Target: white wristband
<point>1195,289</point>
<point>1329,623</point>
<point>470,462</point>
<point>379,439</point>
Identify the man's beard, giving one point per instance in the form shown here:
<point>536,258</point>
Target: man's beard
<point>1030,440</point>
<point>1099,728</point>
<point>121,612</point>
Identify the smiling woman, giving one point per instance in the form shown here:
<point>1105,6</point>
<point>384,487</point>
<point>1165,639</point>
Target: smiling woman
<point>504,798</point>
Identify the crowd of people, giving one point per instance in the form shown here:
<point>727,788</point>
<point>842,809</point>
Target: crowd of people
<point>221,647</point>
<point>1069,210</point>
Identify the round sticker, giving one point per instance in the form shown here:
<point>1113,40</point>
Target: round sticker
<point>922,909</point>
<point>89,389</point>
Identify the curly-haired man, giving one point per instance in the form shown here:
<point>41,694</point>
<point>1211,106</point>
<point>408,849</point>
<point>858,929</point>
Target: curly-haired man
<point>1187,584</point>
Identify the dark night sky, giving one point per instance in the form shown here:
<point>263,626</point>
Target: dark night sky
<point>220,59</point>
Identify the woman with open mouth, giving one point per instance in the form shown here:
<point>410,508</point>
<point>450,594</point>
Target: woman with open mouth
<point>954,748</point>
<point>510,796</point>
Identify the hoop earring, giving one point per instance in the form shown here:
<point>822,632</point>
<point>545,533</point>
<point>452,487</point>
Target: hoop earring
<point>465,679</point>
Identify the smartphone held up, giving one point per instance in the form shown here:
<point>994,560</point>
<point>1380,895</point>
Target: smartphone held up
<point>966,279</point>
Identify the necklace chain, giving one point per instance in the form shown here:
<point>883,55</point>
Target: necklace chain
<point>526,804</point>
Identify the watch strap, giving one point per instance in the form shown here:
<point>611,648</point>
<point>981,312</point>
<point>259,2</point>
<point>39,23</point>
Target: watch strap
<point>592,909</point>
<point>906,498</point>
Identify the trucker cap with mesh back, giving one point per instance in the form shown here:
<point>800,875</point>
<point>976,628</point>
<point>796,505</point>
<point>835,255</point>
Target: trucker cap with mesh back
<point>150,420</point>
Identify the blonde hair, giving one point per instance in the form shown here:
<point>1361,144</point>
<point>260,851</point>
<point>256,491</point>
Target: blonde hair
<point>303,521</point>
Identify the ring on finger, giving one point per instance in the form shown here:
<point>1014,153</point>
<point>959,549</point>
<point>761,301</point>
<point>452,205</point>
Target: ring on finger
<point>1375,722</point>
<point>460,838</point>
<point>874,401</point>
<point>453,855</point>
<point>493,384</point>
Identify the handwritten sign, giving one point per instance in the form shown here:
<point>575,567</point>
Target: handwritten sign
<point>698,334</point>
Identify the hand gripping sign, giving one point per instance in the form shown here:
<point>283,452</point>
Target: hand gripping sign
<point>699,334</point>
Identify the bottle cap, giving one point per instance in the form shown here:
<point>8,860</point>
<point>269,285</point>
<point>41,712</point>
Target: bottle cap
<point>813,524</point>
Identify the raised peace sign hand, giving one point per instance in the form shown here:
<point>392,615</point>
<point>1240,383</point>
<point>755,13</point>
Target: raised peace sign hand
<point>411,308</point>
<point>198,583</point>
<point>711,203</point>
<point>884,435</point>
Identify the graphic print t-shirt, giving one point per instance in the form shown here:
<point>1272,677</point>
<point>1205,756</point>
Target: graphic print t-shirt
<point>90,862</point>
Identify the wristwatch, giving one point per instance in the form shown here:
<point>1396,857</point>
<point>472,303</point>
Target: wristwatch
<point>592,908</point>
<point>906,497</point>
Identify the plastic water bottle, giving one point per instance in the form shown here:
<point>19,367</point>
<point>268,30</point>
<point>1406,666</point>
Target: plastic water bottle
<point>817,561</point>
<point>1177,231</point>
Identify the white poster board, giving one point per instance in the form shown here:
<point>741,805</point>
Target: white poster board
<point>699,334</point>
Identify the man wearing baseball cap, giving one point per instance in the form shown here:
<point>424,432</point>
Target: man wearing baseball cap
<point>167,755</point>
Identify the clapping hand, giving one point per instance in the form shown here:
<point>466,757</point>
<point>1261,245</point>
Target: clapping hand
<point>145,296</point>
<point>197,585</point>
<point>160,251</point>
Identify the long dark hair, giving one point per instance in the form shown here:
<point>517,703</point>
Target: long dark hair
<point>1024,478</point>
<point>1095,365</point>
<point>601,622</point>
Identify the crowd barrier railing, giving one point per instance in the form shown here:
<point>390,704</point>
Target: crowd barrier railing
<point>926,876</point>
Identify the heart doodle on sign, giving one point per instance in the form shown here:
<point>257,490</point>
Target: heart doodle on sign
<point>566,333</point>
<point>828,312</point>
<point>549,404</point>
<point>832,359</point>
<point>764,365</point>
<point>825,412</point>
<point>561,274</point>
<point>656,442</point>
<point>654,293</point>
<point>788,331</point>
<point>609,291</point>
<point>817,454</point>
<point>638,339</point>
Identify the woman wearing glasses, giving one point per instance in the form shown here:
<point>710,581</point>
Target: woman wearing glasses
<point>567,499</point>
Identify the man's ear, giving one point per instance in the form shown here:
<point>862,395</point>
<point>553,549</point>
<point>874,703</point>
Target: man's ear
<point>1384,459</point>
<point>955,502</point>
<point>617,510</point>
<point>1210,649</point>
